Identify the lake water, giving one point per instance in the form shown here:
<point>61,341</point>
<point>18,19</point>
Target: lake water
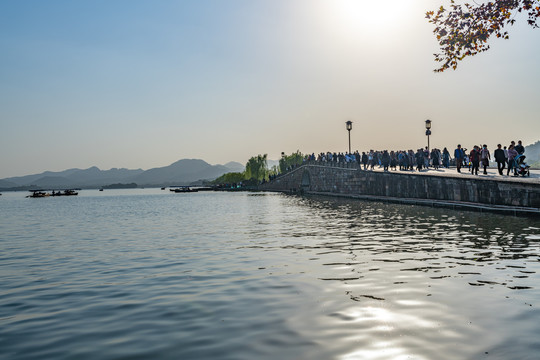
<point>148,274</point>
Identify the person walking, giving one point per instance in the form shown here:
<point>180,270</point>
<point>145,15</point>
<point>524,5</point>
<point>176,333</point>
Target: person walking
<point>405,160</point>
<point>459,154</point>
<point>485,156</point>
<point>419,159</point>
<point>371,159</point>
<point>435,157</point>
<point>446,158</point>
<point>500,158</point>
<point>412,158</point>
<point>364,160</point>
<point>512,153</point>
<point>520,148</point>
<point>393,160</point>
<point>401,160</point>
<point>426,158</point>
<point>385,159</point>
<point>475,160</point>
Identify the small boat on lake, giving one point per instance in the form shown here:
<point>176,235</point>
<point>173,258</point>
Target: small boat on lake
<point>182,189</point>
<point>69,192</point>
<point>43,193</point>
<point>38,194</point>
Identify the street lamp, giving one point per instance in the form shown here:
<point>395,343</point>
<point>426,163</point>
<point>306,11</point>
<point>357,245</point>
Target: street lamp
<point>349,128</point>
<point>428,132</point>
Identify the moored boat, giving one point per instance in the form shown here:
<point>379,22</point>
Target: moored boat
<point>43,193</point>
<point>182,189</point>
<point>38,194</point>
<point>69,192</point>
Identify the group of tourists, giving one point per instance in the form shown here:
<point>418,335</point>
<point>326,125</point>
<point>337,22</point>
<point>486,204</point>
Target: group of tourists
<point>505,158</point>
<point>425,158</point>
<point>389,160</point>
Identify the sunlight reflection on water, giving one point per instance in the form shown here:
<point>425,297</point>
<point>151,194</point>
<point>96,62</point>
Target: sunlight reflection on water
<point>144,273</point>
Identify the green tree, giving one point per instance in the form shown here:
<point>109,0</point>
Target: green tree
<point>465,29</point>
<point>274,170</point>
<point>230,178</point>
<point>257,168</point>
<point>288,161</point>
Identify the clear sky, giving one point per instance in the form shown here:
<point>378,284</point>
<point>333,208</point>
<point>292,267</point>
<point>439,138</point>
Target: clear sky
<point>141,84</point>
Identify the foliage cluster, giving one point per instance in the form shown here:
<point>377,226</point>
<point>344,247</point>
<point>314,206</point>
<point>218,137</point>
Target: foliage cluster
<point>464,29</point>
<point>289,161</point>
<point>230,178</point>
<point>257,169</point>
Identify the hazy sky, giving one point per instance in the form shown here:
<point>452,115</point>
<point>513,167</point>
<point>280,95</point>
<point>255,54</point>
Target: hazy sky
<point>141,84</point>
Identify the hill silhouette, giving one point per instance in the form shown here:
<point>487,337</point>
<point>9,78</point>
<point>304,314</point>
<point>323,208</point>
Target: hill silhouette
<point>181,172</point>
<point>533,154</point>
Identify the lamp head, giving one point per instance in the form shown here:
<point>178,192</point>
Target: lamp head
<point>349,125</point>
<point>428,124</point>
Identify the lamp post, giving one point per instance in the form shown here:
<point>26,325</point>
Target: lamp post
<point>349,128</point>
<point>428,132</point>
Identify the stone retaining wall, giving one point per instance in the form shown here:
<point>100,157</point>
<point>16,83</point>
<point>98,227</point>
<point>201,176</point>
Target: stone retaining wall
<point>353,181</point>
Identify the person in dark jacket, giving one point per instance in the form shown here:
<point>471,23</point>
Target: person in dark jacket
<point>475,160</point>
<point>520,148</point>
<point>364,160</point>
<point>419,159</point>
<point>385,160</point>
<point>435,158</point>
<point>459,155</point>
<point>500,158</point>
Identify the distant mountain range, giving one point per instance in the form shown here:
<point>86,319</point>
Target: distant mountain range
<point>182,172</point>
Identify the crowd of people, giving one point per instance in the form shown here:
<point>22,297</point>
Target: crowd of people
<point>480,156</point>
<point>406,160</point>
<point>409,160</point>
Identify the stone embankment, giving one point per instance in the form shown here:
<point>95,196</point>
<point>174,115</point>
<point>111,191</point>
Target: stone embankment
<point>503,194</point>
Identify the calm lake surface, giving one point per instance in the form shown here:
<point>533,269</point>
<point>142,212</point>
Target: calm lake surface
<point>149,274</point>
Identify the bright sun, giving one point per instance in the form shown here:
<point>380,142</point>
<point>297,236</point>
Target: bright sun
<point>367,15</point>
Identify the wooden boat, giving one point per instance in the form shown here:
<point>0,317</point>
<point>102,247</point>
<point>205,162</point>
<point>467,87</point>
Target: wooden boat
<point>182,189</point>
<point>70,192</point>
<point>43,193</point>
<point>38,194</point>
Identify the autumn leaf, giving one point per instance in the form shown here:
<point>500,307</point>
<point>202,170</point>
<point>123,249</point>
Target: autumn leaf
<point>469,27</point>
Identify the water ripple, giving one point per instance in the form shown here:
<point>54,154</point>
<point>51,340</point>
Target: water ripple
<point>141,274</point>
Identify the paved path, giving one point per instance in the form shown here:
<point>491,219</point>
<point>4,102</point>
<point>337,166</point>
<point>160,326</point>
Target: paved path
<point>492,174</point>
